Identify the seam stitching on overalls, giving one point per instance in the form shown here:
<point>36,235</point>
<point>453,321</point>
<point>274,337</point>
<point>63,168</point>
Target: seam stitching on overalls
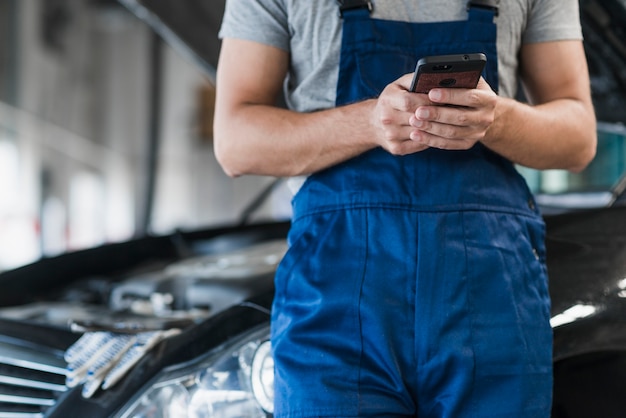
<point>417,209</point>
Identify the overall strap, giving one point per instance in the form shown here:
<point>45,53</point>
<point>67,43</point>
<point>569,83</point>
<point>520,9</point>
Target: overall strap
<point>472,5</point>
<point>484,5</point>
<point>354,4</point>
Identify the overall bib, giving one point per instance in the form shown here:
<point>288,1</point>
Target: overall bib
<point>414,285</point>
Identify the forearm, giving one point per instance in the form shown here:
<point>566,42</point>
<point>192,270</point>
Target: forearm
<point>559,134</point>
<point>265,140</point>
<point>556,130</point>
<point>251,136</point>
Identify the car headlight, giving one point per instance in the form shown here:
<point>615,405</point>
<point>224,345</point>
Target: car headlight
<point>234,381</point>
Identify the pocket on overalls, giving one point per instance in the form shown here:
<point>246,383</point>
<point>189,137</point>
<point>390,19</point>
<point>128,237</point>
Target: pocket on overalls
<point>510,301</point>
<point>376,70</point>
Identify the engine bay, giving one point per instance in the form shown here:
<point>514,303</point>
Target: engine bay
<point>174,296</point>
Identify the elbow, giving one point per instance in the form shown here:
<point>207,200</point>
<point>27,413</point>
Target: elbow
<point>583,163</point>
<point>229,167</point>
<point>589,141</point>
<point>586,153</point>
<point>224,154</point>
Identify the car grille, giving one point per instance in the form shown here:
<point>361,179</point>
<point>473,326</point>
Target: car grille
<point>31,381</point>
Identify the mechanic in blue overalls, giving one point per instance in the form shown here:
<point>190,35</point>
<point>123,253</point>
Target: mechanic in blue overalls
<point>415,281</point>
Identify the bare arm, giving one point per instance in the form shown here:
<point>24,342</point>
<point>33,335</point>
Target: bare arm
<point>252,136</point>
<point>556,130</point>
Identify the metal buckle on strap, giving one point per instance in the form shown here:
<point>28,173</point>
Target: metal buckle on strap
<point>354,4</point>
<point>485,4</point>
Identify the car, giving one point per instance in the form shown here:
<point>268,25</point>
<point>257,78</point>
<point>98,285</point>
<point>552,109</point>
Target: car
<point>215,285</point>
<point>177,325</point>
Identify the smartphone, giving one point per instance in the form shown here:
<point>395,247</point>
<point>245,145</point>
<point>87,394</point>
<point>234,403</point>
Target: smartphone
<point>448,71</point>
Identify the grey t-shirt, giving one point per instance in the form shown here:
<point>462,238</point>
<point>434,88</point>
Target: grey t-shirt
<point>310,30</point>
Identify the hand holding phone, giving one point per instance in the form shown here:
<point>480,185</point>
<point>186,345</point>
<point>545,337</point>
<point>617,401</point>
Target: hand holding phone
<point>448,71</point>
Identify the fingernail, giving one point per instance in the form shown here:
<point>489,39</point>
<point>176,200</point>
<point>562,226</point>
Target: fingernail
<point>435,95</point>
<point>422,113</point>
<point>415,122</point>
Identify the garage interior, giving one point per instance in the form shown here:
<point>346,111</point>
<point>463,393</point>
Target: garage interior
<point>105,136</point>
<point>105,133</point>
<point>106,120</point>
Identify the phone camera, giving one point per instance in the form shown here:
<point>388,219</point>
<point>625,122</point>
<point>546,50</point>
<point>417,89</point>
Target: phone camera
<point>447,82</point>
<point>466,57</point>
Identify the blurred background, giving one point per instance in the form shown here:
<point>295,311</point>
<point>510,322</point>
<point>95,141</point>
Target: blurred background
<point>106,114</point>
<point>105,133</point>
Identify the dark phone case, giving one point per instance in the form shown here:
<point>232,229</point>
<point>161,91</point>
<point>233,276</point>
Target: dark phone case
<point>448,71</point>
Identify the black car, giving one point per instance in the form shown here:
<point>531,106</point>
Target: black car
<point>184,318</point>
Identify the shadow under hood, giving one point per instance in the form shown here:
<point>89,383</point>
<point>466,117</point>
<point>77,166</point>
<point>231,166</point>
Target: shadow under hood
<point>189,26</point>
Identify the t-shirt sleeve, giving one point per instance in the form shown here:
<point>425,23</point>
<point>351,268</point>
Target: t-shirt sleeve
<point>263,21</point>
<point>553,20</point>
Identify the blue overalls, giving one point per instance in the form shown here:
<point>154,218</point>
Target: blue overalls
<point>413,285</point>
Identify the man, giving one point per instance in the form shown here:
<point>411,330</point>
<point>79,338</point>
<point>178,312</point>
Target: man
<point>415,282</point>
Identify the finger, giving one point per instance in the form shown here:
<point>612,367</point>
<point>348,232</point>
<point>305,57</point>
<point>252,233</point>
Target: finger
<point>402,100</point>
<point>397,141</point>
<point>405,81</point>
<point>399,96</point>
<point>395,137</point>
<point>468,132</point>
<point>426,116</point>
<point>396,110</point>
<point>463,97</point>
<point>447,132</point>
<point>406,147</point>
<point>427,139</point>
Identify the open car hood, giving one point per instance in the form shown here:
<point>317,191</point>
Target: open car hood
<point>191,26</point>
